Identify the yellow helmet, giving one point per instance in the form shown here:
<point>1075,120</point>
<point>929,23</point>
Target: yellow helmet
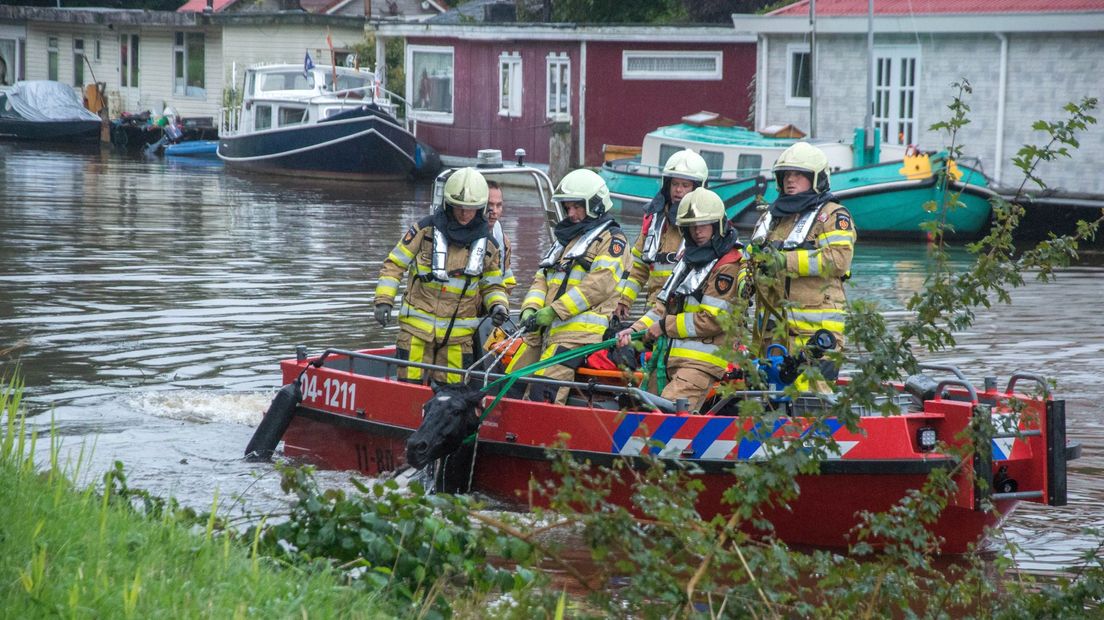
<point>803,157</point>
<point>686,164</point>
<point>587,187</point>
<point>466,188</point>
<point>702,206</point>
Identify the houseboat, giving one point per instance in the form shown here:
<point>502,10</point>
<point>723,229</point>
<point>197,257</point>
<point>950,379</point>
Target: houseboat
<point>887,188</point>
<point>324,122</point>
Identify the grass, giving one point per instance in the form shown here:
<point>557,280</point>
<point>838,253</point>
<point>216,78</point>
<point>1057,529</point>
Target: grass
<point>66,552</point>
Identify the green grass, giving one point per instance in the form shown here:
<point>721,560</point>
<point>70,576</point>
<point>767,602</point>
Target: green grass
<point>73,554</point>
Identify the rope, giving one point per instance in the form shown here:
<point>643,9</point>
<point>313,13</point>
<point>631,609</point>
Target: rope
<point>510,379</point>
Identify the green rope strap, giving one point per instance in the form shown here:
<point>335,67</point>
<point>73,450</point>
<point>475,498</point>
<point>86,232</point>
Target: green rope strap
<point>508,380</point>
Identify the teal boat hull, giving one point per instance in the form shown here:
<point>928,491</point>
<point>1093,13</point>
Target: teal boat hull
<point>882,202</point>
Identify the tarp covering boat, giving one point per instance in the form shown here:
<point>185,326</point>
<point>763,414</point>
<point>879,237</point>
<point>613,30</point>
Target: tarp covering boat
<point>45,100</point>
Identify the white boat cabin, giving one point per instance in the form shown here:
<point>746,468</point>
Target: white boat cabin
<point>279,96</point>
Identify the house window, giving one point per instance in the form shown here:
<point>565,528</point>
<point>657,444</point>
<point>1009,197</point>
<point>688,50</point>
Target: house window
<point>78,62</point>
<point>559,87</point>
<point>292,116</point>
<point>128,60</point>
<point>509,85</point>
<point>262,117</point>
<point>52,59</point>
<point>429,82</point>
<point>799,85</point>
<point>188,64</point>
<point>896,73</point>
<point>656,65</point>
<point>97,55</point>
<point>9,62</point>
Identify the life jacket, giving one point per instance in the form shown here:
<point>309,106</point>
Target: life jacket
<point>687,280</point>
<point>562,261</point>
<point>477,251</point>
<point>653,236</point>
<point>797,236</point>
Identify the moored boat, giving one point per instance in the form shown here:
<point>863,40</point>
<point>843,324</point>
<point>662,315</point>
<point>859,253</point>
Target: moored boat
<point>44,110</point>
<point>885,188</point>
<point>325,122</point>
<point>352,414</point>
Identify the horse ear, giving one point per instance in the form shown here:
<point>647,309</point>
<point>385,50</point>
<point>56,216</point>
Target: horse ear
<point>476,398</point>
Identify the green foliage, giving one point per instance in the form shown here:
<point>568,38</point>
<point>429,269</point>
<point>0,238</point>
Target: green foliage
<point>615,12</point>
<point>412,546</point>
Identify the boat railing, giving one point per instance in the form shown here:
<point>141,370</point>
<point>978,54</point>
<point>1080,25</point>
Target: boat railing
<point>228,120</point>
<point>633,165</point>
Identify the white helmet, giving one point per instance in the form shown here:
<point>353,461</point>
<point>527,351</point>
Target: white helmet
<point>466,188</point>
<point>701,206</point>
<point>587,187</point>
<point>686,164</point>
<point>803,157</point>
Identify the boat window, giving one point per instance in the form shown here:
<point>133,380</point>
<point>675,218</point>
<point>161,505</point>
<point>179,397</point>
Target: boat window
<point>665,153</point>
<point>345,82</point>
<point>292,116</point>
<point>749,165</point>
<point>262,117</point>
<point>714,160</point>
<point>289,80</point>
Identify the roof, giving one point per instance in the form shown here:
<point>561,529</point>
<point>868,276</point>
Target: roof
<point>565,31</point>
<point>940,7</point>
<point>198,6</point>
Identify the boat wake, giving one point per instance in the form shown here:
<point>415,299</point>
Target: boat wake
<point>202,406</point>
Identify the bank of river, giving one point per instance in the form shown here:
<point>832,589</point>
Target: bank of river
<point>149,301</point>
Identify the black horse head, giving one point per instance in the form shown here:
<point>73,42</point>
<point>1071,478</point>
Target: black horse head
<point>449,417</point>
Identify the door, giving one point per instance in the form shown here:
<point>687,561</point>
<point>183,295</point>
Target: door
<point>896,79</point>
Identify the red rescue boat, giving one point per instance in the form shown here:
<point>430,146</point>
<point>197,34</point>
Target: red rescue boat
<point>354,415</point>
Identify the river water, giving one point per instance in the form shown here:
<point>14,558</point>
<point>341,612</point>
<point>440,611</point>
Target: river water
<point>148,302</point>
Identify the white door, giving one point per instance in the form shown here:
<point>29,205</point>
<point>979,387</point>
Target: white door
<point>129,75</point>
<point>896,78</point>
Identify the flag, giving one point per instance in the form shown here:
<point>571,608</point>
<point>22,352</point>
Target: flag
<point>308,64</point>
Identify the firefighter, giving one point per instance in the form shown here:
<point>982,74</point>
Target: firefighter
<point>811,239</point>
<point>706,282</point>
<point>454,265</point>
<point>495,206</point>
<point>574,290</point>
<point>656,250</point>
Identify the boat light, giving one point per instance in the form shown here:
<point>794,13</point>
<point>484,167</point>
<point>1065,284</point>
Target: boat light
<point>520,155</point>
<point>926,438</point>
<point>488,158</point>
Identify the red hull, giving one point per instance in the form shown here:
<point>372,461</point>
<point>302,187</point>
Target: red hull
<point>353,421</point>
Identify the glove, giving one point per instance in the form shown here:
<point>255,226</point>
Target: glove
<point>526,320</point>
<point>499,314</point>
<point>545,316</point>
<point>383,314</point>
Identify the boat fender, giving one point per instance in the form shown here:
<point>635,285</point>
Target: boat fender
<point>275,423</point>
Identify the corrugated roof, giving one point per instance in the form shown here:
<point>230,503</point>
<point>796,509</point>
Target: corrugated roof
<point>198,6</point>
<point>941,7</point>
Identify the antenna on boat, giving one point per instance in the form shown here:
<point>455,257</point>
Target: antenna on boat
<point>868,123</point>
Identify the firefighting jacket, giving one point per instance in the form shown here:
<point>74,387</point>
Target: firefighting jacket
<point>583,292</point>
<point>647,275</point>
<point>691,320</point>
<point>430,305</point>
<point>815,272</point>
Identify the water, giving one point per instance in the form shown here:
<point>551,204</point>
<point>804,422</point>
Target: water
<point>148,302</point>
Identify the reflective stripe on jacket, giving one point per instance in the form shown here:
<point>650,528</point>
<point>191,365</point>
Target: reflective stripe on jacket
<point>429,306</point>
<point>649,278</point>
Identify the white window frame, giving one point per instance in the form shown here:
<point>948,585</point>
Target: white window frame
<point>556,90</point>
<point>182,50</point>
<point>53,49</point>
<point>896,109</point>
<point>78,61</point>
<point>444,118</point>
<point>633,74</point>
<point>509,85</point>
<point>129,72</point>
<point>794,49</point>
<point>16,61</point>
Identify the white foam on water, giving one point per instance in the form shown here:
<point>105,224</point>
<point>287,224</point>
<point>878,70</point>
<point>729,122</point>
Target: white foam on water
<point>203,406</point>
